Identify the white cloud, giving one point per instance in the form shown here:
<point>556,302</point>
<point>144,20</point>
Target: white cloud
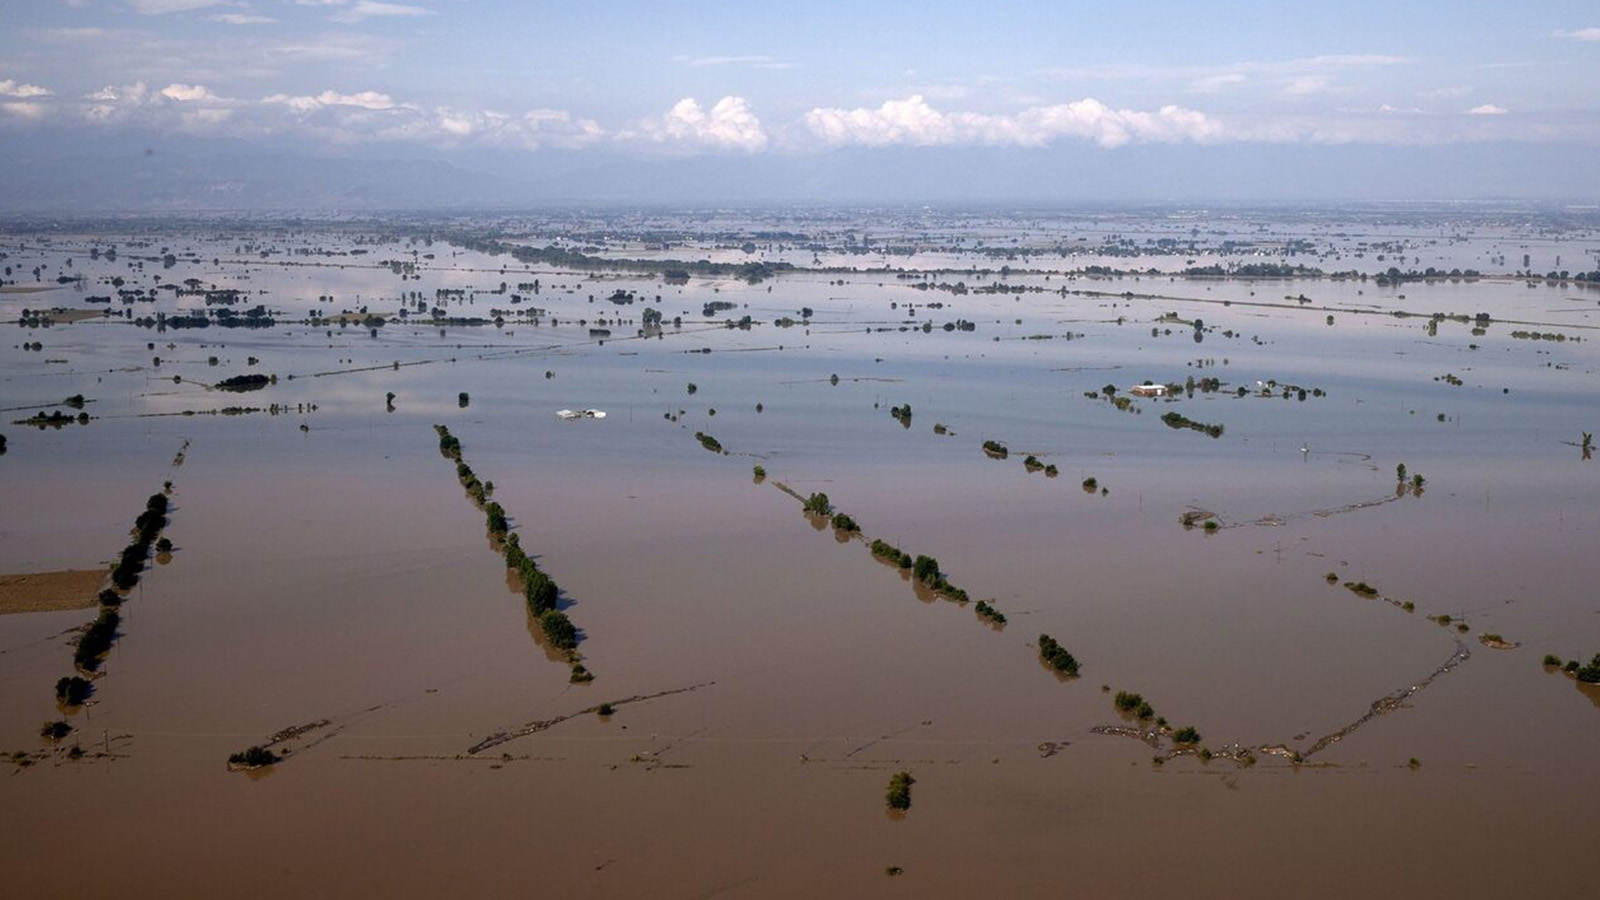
<point>306,104</point>
<point>1487,109</point>
<point>9,88</point>
<point>366,9</point>
<point>161,7</point>
<point>134,93</point>
<point>241,19</point>
<point>1212,84</point>
<point>24,109</point>
<point>189,93</point>
<point>1306,85</point>
<point>1582,34</point>
<point>206,116</point>
<point>730,125</point>
<point>914,122</point>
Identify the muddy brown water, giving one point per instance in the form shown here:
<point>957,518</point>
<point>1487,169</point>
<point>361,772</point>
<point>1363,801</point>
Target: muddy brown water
<point>341,573</point>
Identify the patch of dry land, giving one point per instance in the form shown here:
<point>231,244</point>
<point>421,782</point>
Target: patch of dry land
<point>49,591</point>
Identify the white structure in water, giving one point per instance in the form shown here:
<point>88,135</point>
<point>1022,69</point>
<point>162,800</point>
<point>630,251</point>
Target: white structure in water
<point>1148,390</point>
<point>569,414</point>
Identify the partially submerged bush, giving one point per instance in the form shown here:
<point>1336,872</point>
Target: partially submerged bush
<point>558,629</point>
<point>889,552</point>
<point>73,690</point>
<point>1056,656</point>
<point>988,612</point>
<point>96,640</point>
<point>899,794</point>
<point>1590,674</point>
<point>253,758</point>
<point>818,504</point>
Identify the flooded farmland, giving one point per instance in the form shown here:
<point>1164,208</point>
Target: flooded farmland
<point>1309,577</point>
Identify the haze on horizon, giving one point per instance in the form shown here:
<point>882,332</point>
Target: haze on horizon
<point>171,104</point>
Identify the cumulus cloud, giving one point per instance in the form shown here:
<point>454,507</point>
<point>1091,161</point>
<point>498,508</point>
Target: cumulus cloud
<point>9,88</point>
<point>133,92</point>
<point>1582,34</point>
<point>189,93</point>
<point>1487,109</point>
<point>729,125</point>
<point>306,104</point>
<point>914,122</point>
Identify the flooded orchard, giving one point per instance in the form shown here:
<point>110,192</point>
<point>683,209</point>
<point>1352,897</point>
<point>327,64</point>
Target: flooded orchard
<point>1264,539</point>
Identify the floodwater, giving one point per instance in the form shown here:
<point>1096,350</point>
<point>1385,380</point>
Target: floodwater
<point>328,567</point>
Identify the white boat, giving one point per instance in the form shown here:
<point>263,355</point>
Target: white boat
<point>580,414</point>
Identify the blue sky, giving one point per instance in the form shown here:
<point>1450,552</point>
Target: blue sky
<point>504,84</point>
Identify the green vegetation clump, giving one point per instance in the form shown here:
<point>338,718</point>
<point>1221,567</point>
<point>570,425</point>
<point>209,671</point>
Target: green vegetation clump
<point>901,414</point>
<point>496,516</point>
<point>708,442</point>
<point>987,612</point>
<point>55,731</point>
<point>1056,656</point>
<point>1589,674</point>
<point>1032,463</point>
<point>1127,702</point>
<point>449,445</point>
<point>844,523</point>
<point>558,629</point>
<point>73,690</point>
<point>1091,484</point>
<point>1550,659</point>
<point>253,758</point>
<point>1362,588</point>
<point>887,551</point>
<point>1186,735</point>
<point>1179,420</point>
<point>996,449</point>
<point>899,794</point>
<point>759,472</point>
<point>818,504</point>
<point>96,640</point>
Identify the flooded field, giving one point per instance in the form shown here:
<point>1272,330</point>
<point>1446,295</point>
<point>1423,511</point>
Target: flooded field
<point>1330,544</point>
